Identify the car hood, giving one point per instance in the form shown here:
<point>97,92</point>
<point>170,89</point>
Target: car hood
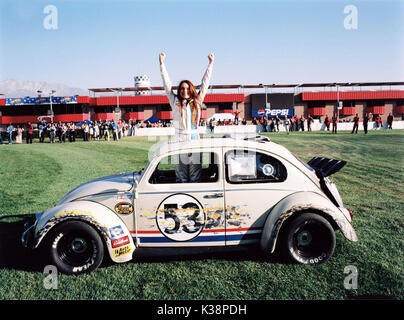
<point>108,184</point>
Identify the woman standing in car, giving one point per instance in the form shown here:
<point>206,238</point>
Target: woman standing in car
<point>186,107</point>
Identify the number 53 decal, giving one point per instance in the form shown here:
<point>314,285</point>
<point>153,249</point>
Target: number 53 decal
<point>180,217</point>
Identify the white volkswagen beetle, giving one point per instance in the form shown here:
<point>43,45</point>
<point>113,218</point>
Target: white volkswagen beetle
<point>251,191</point>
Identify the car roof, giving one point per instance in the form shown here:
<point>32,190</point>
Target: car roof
<point>245,142</point>
<point>256,142</point>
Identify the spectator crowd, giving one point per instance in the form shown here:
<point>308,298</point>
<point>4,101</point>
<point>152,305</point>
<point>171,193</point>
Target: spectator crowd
<point>62,132</point>
<point>110,130</point>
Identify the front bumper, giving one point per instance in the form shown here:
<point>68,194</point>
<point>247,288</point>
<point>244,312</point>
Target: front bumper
<point>27,236</point>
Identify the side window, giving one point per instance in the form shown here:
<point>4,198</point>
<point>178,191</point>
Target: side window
<point>244,166</point>
<point>165,170</point>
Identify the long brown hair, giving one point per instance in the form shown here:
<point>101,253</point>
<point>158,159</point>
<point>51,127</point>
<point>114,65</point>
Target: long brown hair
<point>192,92</point>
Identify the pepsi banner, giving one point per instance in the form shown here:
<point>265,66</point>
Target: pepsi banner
<point>40,100</point>
<point>273,112</point>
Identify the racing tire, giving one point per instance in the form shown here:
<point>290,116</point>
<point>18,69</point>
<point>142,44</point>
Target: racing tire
<point>75,247</point>
<point>309,239</point>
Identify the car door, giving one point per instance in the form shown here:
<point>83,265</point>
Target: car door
<point>254,182</point>
<point>181,214</point>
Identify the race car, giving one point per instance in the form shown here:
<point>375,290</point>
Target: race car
<point>250,191</point>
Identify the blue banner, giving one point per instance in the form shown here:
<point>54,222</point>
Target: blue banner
<point>40,100</point>
<point>273,112</point>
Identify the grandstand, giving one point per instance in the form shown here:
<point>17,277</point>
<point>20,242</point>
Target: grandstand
<point>139,103</point>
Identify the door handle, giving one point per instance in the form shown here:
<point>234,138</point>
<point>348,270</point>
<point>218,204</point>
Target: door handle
<point>213,196</point>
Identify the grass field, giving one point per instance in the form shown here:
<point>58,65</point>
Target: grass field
<point>35,177</point>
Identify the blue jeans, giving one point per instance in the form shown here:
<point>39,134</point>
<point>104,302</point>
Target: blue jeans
<point>188,167</point>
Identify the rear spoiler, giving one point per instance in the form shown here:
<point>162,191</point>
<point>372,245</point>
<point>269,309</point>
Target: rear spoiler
<point>326,167</point>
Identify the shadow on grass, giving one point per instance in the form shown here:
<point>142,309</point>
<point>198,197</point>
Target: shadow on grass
<point>12,254</point>
<point>240,253</point>
<point>372,297</point>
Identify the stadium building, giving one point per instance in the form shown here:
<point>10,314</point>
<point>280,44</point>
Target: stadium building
<point>143,101</point>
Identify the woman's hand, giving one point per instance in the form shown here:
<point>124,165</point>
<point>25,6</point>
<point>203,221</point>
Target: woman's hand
<point>211,58</point>
<point>162,56</point>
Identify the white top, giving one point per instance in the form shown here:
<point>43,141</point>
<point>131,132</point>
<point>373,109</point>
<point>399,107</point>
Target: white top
<point>182,125</point>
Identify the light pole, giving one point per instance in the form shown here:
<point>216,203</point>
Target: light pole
<point>50,113</point>
<point>51,109</point>
<point>119,91</point>
<point>266,95</point>
<point>337,97</point>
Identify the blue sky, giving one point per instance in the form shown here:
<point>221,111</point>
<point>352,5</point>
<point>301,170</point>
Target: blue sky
<point>102,43</point>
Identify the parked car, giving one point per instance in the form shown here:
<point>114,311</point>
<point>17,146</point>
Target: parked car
<point>251,191</point>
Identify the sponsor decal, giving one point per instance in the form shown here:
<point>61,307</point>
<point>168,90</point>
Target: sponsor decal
<point>124,197</point>
<point>272,112</point>
<point>124,208</point>
<point>122,251</point>
<point>40,100</point>
<point>120,242</point>
<point>116,232</point>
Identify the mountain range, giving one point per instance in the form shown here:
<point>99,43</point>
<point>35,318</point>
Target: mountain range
<point>23,88</point>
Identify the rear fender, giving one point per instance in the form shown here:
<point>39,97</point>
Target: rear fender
<point>105,221</point>
<point>298,202</point>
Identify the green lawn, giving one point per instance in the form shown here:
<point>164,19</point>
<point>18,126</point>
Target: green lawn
<point>34,177</point>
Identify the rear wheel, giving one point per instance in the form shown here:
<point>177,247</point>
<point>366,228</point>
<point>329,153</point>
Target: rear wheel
<point>75,247</point>
<point>309,239</point>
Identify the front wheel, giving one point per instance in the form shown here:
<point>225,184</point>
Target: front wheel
<point>75,247</point>
<point>309,239</point>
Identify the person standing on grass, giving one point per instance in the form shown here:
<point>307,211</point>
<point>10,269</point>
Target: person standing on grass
<point>63,129</point>
<point>91,130</point>
<point>10,130</point>
<point>356,124</point>
<point>40,132</point>
<point>236,115</point>
<point>52,133</point>
<point>96,131</point>
<point>365,123</point>
<point>114,128</point>
<point>18,138</point>
<point>30,130</point>
<point>302,122</point>
<point>286,124</point>
<point>277,120</point>
<point>186,107</point>
<point>59,130</point>
<point>327,123</point>
<point>106,131</point>
<point>309,122</point>
<point>296,122</point>
<point>390,121</point>
<point>272,125</point>
<point>86,130</point>
<point>73,132</point>
<point>334,123</point>
<point>379,122</point>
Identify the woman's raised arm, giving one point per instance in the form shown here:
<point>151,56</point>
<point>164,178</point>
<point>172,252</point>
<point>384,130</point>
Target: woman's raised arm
<point>206,78</point>
<point>164,75</point>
